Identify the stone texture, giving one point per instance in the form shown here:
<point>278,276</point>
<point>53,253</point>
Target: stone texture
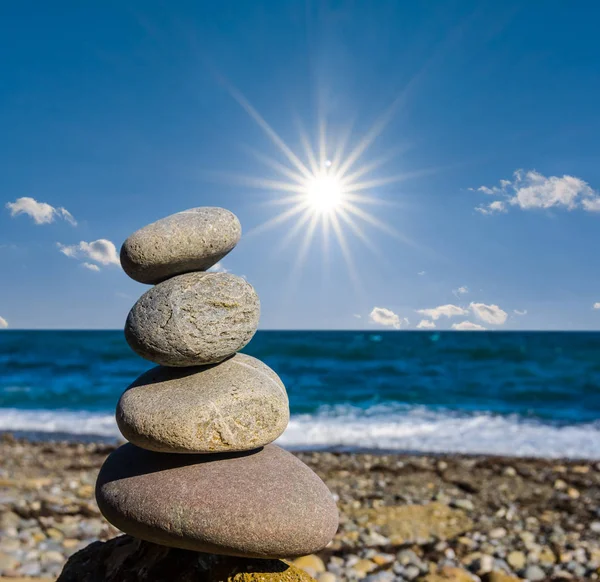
<point>125,559</point>
<point>193,319</point>
<point>263,504</point>
<point>406,524</point>
<point>237,405</point>
<point>192,240</point>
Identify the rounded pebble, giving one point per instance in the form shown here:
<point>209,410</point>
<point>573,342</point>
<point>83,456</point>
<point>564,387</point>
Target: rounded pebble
<point>193,319</point>
<point>237,405</point>
<point>265,504</point>
<point>192,240</point>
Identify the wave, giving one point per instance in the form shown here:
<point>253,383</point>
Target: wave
<point>417,429</point>
<point>392,428</point>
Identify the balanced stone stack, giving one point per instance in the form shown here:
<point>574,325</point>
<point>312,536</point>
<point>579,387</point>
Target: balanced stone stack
<point>199,472</point>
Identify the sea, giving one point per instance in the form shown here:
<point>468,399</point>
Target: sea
<point>533,394</point>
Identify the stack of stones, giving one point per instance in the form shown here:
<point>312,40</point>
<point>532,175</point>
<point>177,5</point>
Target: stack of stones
<point>199,472</point>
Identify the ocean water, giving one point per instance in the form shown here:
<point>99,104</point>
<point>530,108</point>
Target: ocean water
<point>528,394</point>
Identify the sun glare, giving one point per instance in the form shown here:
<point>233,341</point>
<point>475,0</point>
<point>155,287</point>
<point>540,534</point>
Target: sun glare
<point>324,193</point>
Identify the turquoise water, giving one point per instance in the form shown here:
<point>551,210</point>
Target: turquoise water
<point>509,393</point>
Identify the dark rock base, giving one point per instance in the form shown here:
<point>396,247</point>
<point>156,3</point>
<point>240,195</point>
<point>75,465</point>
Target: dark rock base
<point>126,559</point>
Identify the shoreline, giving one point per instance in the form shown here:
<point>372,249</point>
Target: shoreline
<point>70,439</point>
<point>401,514</point>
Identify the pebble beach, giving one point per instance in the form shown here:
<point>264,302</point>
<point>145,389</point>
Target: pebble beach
<point>402,517</point>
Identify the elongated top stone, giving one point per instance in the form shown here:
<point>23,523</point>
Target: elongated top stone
<point>192,240</point>
<point>261,504</point>
<point>237,405</point>
<point>193,319</point>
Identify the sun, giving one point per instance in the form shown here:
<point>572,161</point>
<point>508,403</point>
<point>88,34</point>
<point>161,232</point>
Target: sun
<point>327,188</point>
<point>324,193</point>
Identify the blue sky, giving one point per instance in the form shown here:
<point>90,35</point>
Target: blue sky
<point>115,114</point>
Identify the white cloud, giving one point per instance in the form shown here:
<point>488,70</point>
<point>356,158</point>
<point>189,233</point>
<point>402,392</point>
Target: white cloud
<point>492,207</point>
<point>91,266</point>
<point>383,316</point>
<point>489,313</point>
<point>517,312</point>
<point>100,251</point>
<point>597,305</point>
<point>421,273</point>
<point>445,310</point>
<point>3,323</point>
<point>529,190</point>
<point>219,268</point>
<point>357,315</point>
<point>461,291</point>
<point>467,326</point>
<point>425,324</point>
<point>591,204</point>
<point>41,212</point>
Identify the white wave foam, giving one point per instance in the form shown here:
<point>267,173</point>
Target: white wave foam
<point>58,421</point>
<point>426,431</point>
<point>385,428</point>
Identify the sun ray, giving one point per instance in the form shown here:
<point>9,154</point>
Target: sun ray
<point>289,154</point>
<point>310,154</point>
<point>277,166</point>
<point>280,218</point>
<point>377,182</point>
<point>358,232</point>
<point>303,250</point>
<point>295,230</point>
<point>340,149</point>
<point>345,250</point>
<point>322,145</point>
<point>370,200</point>
<point>371,135</point>
<point>368,168</point>
<point>367,217</point>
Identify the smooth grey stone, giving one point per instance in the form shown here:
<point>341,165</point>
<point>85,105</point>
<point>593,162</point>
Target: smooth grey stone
<point>193,319</point>
<point>192,240</point>
<point>535,573</point>
<point>261,504</point>
<point>237,405</point>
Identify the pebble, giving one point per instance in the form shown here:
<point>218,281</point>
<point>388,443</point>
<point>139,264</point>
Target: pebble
<point>535,573</point>
<point>193,319</point>
<point>465,504</point>
<point>411,572</point>
<point>31,569</point>
<point>486,564</point>
<point>7,562</point>
<point>516,560</point>
<point>311,564</point>
<point>547,556</point>
<point>192,240</point>
<point>384,576</point>
<point>363,567</point>
<point>497,533</point>
<point>237,405</point>
<point>262,504</point>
